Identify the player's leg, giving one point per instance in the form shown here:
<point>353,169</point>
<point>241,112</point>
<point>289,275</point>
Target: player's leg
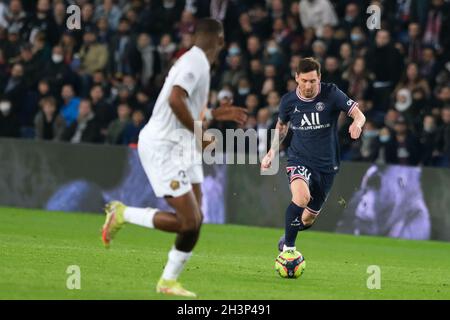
<point>188,212</point>
<point>299,185</point>
<point>166,180</point>
<point>320,190</point>
<point>300,198</point>
<point>197,189</point>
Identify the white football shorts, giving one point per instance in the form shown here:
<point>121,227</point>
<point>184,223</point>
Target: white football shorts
<point>170,167</point>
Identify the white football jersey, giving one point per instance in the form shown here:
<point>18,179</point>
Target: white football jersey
<point>192,73</point>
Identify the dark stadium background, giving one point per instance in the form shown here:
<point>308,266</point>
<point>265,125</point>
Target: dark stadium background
<point>116,64</point>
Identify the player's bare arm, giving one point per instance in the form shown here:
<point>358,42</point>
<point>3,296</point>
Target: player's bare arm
<point>358,122</point>
<point>281,131</point>
<point>230,113</point>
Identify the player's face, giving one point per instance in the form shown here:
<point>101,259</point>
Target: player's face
<point>308,83</point>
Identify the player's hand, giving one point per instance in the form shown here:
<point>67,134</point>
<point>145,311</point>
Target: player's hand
<point>208,139</point>
<point>230,113</point>
<point>266,162</point>
<point>355,131</point>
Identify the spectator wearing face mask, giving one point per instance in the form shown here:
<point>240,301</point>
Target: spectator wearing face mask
<point>366,149</point>
<point>243,90</point>
<point>9,123</point>
<point>57,72</point>
<point>384,137</point>
<point>235,70</point>
<point>273,55</point>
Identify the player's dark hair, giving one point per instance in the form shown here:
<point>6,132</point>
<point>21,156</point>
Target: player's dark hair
<point>307,65</point>
<point>208,26</point>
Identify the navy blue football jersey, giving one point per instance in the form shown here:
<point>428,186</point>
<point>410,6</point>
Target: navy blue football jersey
<point>313,121</point>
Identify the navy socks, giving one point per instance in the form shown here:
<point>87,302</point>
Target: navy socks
<point>293,223</point>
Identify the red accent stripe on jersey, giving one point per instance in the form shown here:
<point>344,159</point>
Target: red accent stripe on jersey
<point>355,104</point>
<point>297,91</point>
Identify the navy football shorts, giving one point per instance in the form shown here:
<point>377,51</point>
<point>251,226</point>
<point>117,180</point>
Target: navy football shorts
<point>319,184</point>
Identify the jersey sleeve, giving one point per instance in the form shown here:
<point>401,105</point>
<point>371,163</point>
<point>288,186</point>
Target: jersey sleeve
<point>284,110</point>
<point>342,101</point>
<point>188,76</point>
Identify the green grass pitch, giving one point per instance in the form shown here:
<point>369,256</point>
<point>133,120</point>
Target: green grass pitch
<point>230,262</point>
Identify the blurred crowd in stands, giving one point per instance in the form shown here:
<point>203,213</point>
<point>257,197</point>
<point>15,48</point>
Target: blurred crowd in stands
<point>99,84</point>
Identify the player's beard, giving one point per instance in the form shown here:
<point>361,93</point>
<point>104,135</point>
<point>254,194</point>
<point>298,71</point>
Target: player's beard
<point>309,93</point>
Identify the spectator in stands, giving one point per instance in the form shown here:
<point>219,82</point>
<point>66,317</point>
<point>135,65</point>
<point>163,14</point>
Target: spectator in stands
<point>403,147</point>
<point>442,151</point>
<point>346,56</point>
<point>428,139</point>
<point>235,69</point>
<point>252,104</point>
<point>93,55</point>
<point>41,21</point>
<point>145,60</point>
<point>243,90</point>
<point>332,74</point>
<point>132,130</point>
<point>85,129</point>
<point>32,65</point>
<point>48,123</point>
<point>146,37</point>
<point>15,88</point>
<point>57,72</point>
<point>273,55</point>
<point>368,146</point>
<point>120,49</point>
<point>103,110</point>
<point>109,10</point>
<point>317,14</point>
<point>117,127</point>
<point>9,123</point>
<point>254,49</point>
<point>69,109</point>
<point>385,62</point>
<point>412,80</point>
<point>413,44</point>
<point>359,79</point>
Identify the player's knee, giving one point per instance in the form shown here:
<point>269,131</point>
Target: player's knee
<point>190,226</point>
<point>301,200</point>
<point>308,218</point>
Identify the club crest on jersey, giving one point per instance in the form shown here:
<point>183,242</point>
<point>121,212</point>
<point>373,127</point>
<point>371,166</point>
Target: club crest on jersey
<point>174,185</point>
<point>320,106</point>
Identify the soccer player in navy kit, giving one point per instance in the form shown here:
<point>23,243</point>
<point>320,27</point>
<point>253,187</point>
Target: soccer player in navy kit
<point>311,111</point>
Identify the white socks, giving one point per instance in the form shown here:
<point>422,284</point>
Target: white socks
<point>177,260</point>
<point>289,248</point>
<point>140,216</point>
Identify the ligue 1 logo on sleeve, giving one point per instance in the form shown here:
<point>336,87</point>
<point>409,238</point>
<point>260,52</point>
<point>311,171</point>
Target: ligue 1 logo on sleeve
<point>320,106</point>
